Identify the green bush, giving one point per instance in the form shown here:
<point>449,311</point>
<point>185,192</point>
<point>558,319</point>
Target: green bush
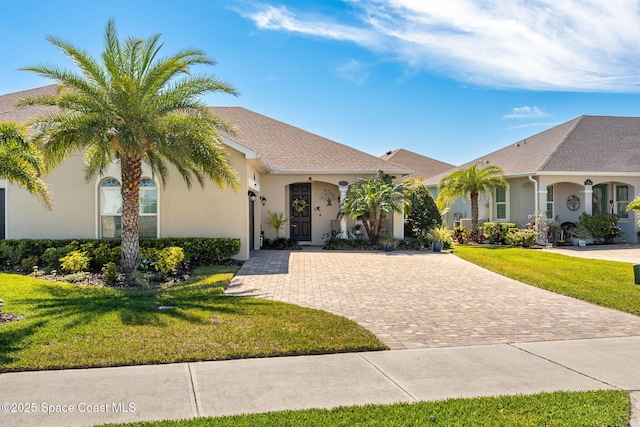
<point>168,259</point>
<point>497,232</point>
<point>198,251</point>
<point>522,237</point>
<point>110,272</point>
<point>28,263</point>
<point>601,226</point>
<point>421,212</point>
<point>75,262</point>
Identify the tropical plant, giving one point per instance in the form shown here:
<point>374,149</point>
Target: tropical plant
<point>440,234</point>
<point>634,206</point>
<point>20,161</point>
<point>601,226</point>
<point>471,182</point>
<point>277,220</point>
<point>132,107</point>
<point>372,200</point>
<point>420,211</point>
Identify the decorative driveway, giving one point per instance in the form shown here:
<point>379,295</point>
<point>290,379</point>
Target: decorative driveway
<point>425,299</point>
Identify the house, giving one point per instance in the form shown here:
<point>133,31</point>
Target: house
<point>589,164</point>
<point>423,167</point>
<point>277,163</point>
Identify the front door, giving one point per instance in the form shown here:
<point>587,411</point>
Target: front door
<point>300,220</point>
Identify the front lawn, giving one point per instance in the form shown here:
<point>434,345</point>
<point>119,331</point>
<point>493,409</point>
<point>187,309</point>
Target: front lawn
<point>71,326</point>
<point>606,283</point>
<point>591,408</point>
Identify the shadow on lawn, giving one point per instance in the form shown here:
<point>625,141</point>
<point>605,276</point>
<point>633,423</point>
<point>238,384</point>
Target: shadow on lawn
<point>81,305</point>
<point>13,338</point>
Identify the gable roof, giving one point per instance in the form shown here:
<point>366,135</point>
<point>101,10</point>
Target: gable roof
<point>288,149</point>
<point>591,144</point>
<point>284,148</point>
<point>423,167</point>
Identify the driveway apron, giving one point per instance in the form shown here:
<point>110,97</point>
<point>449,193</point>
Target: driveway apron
<point>425,299</point>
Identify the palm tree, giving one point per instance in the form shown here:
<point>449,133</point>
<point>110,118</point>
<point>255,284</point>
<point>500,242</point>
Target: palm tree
<point>471,182</point>
<point>131,107</point>
<point>372,200</point>
<point>20,161</point>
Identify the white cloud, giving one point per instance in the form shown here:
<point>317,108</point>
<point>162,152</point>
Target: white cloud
<point>531,125</point>
<point>574,45</point>
<point>353,71</point>
<point>525,112</point>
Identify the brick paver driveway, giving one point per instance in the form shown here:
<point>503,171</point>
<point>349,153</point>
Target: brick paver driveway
<point>425,299</point>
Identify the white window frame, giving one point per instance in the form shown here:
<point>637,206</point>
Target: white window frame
<point>623,215</point>
<point>496,203</point>
<point>550,204</point>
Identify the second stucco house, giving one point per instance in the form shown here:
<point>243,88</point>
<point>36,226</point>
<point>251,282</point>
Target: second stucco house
<point>589,164</point>
<point>277,163</point>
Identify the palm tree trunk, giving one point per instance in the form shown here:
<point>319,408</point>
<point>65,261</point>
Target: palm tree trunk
<point>474,211</point>
<point>381,223</point>
<point>131,174</point>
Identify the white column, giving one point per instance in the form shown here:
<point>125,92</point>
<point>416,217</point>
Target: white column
<point>588,198</point>
<point>343,187</point>
<point>541,206</point>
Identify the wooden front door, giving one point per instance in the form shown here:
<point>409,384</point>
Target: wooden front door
<point>300,221</point>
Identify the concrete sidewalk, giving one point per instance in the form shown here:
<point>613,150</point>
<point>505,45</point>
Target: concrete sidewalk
<point>186,390</point>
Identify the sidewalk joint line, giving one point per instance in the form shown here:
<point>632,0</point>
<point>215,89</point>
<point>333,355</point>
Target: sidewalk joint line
<point>515,345</point>
<point>415,398</point>
<point>194,392</point>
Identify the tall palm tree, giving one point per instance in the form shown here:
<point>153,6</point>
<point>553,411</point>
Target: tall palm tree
<point>132,107</point>
<point>471,182</point>
<point>20,161</point>
<point>372,200</point>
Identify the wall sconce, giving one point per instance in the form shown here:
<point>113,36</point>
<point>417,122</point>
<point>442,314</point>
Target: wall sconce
<point>252,196</point>
<point>263,200</point>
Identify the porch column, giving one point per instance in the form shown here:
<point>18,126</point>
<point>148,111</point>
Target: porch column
<point>541,203</point>
<point>343,186</point>
<point>588,197</point>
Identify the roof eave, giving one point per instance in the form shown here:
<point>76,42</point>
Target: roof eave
<point>340,171</point>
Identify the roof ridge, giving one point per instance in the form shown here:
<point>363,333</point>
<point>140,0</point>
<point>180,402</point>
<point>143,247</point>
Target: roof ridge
<point>561,142</point>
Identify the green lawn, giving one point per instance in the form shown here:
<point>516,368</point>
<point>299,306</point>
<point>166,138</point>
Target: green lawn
<point>68,326</point>
<point>606,283</point>
<point>562,409</point>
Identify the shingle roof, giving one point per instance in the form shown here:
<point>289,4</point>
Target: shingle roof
<point>9,112</point>
<point>285,148</point>
<point>423,167</point>
<point>600,144</point>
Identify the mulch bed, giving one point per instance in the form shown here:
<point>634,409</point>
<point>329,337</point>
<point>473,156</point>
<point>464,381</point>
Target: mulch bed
<point>8,317</point>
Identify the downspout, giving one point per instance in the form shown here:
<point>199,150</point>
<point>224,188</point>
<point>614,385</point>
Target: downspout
<point>535,193</point>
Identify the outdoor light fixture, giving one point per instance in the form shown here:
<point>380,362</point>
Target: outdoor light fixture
<point>252,196</point>
<point>263,200</point>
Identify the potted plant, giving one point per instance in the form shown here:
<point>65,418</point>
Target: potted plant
<point>439,236</point>
<point>388,242</point>
<point>277,221</point>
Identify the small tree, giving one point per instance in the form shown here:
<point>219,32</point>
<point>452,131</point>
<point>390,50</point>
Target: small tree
<point>372,200</point>
<point>471,182</point>
<point>277,221</point>
<point>421,213</point>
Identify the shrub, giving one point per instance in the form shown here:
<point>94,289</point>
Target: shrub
<point>28,263</point>
<point>168,259</point>
<point>75,261</point>
<point>51,257</point>
<point>601,226</point>
<point>497,232</point>
<point>281,244</point>
<point>522,237</point>
<point>78,277</point>
<point>421,212</point>
<point>110,272</point>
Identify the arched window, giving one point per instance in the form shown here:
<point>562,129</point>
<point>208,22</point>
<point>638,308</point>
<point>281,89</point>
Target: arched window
<point>148,224</point>
<point>111,208</point>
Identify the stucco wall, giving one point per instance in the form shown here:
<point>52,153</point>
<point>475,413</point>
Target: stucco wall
<point>73,214</point>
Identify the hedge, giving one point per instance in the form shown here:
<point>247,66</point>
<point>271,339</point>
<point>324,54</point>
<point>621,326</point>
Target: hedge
<point>46,253</point>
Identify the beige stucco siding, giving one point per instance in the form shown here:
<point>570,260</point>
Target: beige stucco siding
<point>74,210</point>
<point>208,211</point>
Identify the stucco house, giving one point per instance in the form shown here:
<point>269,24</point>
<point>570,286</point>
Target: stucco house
<point>589,164</point>
<point>276,163</point>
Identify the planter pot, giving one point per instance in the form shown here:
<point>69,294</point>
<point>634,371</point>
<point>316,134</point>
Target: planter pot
<point>388,247</point>
<point>437,246</point>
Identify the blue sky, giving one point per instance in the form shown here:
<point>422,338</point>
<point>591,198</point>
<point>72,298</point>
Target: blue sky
<point>450,80</point>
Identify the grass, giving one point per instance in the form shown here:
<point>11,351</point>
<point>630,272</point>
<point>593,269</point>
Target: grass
<point>606,283</point>
<point>72,326</point>
<point>592,408</point>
